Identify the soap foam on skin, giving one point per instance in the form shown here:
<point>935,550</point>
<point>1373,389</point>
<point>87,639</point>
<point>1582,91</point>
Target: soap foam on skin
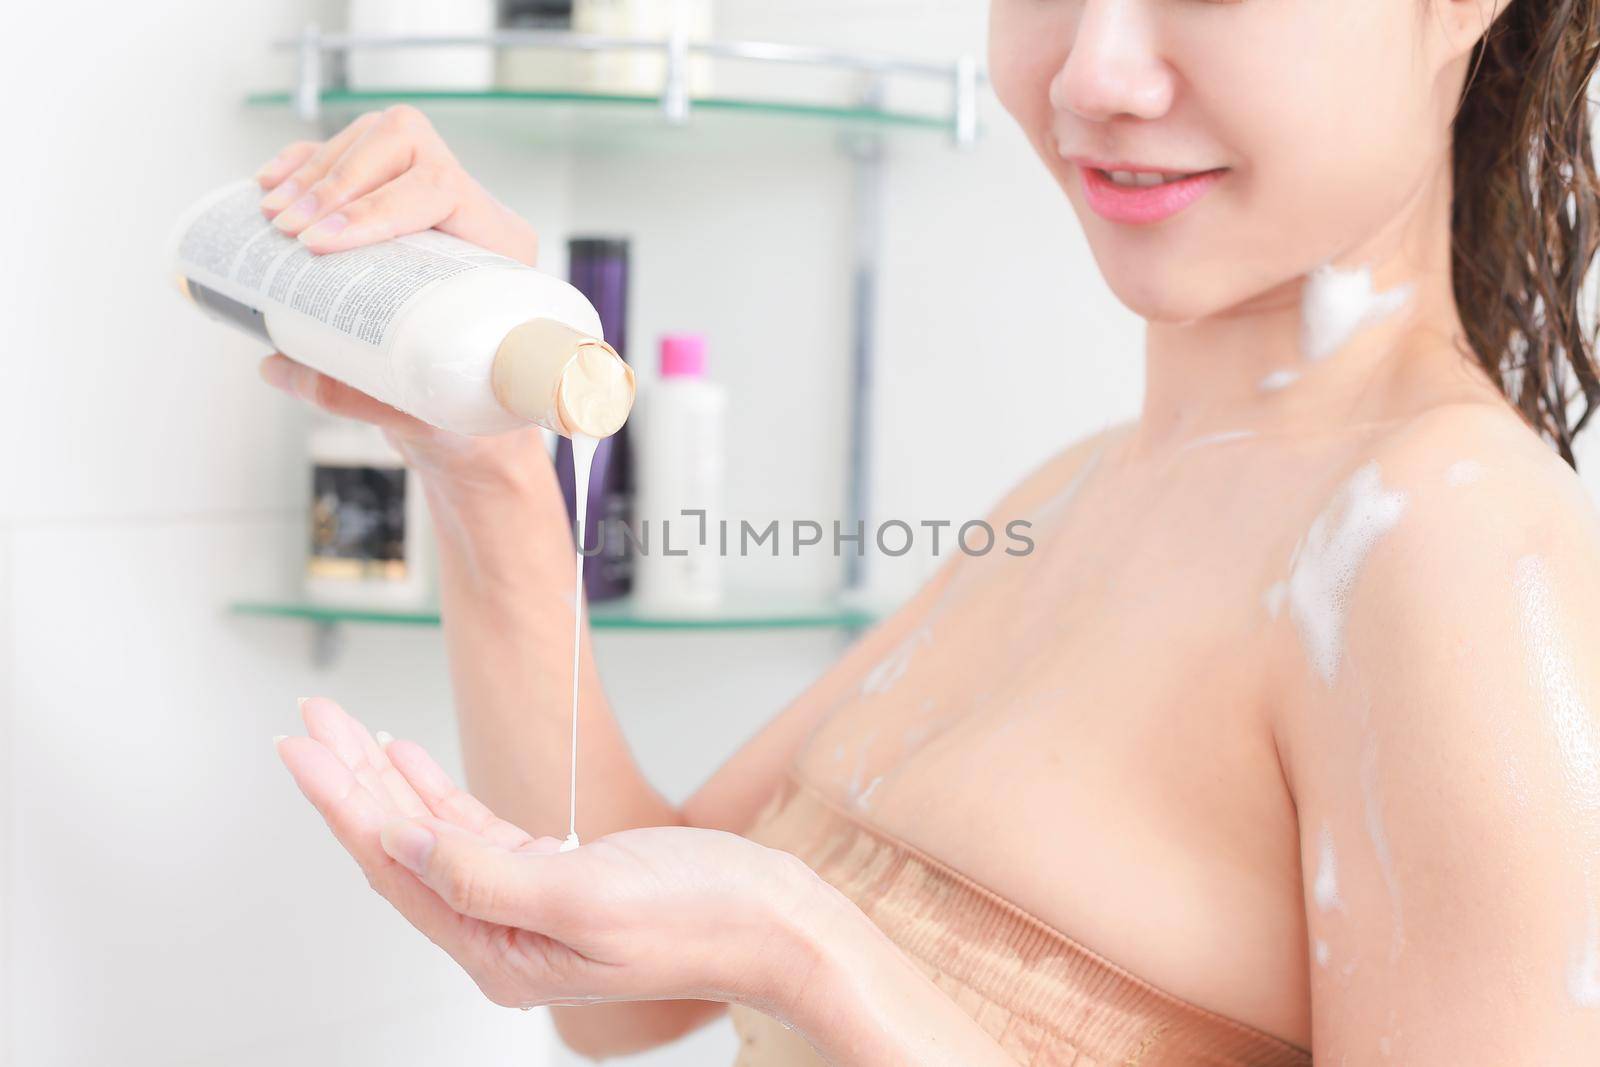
<point>864,799</point>
<point>889,672</point>
<point>1053,508</point>
<point>855,789</point>
<point>1218,439</point>
<point>1322,574</point>
<point>1273,598</point>
<point>1335,306</point>
<point>1338,304</point>
<point>894,666</point>
<point>1325,889</point>
<point>1278,379</point>
<point>1327,560</point>
<point>1463,472</point>
<point>583,449</point>
<point>1583,969</point>
<point>1550,666</point>
<point>1378,834</point>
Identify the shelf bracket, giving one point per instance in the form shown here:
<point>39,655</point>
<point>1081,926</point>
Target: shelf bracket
<point>965,101</point>
<point>326,642</point>
<point>675,90</point>
<point>866,155</point>
<point>308,74</point>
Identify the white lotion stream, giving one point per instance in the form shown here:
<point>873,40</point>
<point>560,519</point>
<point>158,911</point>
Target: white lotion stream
<point>583,448</point>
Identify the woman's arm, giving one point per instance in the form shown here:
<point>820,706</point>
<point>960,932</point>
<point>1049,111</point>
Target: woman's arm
<point>504,546</point>
<point>506,570</point>
<point>1445,756</point>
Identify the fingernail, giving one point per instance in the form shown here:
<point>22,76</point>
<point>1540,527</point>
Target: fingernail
<point>270,166</point>
<point>296,213</point>
<point>383,738</point>
<point>408,844</point>
<point>324,228</point>
<point>275,372</point>
<point>300,702</point>
<point>279,198</point>
<point>277,738</point>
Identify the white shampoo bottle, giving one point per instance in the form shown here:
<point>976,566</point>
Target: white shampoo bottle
<point>462,338</point>
<point>682,464</point>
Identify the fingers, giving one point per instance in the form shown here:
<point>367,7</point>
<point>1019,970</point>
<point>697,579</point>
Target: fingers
<point>284,163</point>
<point>357,821</point>
<point>334,397</point>
<point>291,188</point>
<point>347,739</point>
<point>450,803</point>
<point>418,199</point>
<point>430,195</point>
<point>483,950</point>
<point>400,141</point>
<point>387,173</point>
<point>530,889</point>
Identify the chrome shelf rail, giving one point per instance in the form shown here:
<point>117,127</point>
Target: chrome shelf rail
<point>963,74</point>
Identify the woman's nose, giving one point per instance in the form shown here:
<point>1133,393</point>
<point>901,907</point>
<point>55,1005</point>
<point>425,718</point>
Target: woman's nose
<point>1113,67</point>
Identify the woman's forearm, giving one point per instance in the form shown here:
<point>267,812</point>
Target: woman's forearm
<point>865,1004</point>
<point>506,585</point>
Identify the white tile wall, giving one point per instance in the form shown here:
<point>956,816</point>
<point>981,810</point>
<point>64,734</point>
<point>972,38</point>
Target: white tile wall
<point>7,775</point>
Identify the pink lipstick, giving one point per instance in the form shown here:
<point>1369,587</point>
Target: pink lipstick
<point>1141,195</point>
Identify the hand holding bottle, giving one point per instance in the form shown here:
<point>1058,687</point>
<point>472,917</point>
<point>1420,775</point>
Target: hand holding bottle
<point>388,174</point>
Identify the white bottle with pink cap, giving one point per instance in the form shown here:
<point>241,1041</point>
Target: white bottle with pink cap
<point>682,458</point>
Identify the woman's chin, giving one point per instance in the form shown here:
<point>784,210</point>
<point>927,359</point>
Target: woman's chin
<point>1166,301</point>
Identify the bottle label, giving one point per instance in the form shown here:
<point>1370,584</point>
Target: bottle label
<point>231,249</point>
<point>358,523</point>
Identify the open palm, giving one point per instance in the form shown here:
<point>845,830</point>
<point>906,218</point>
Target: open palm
<point>666,912</point>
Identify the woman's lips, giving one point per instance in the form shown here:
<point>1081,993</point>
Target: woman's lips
<point>1141,204</point>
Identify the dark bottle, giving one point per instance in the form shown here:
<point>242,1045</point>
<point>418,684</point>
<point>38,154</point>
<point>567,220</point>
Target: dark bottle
<point>598,268</point>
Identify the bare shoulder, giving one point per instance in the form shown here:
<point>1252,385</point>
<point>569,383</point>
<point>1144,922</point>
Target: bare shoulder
<point>1473,491</point>
<point>1058,476</point>
<point>1422,541</point>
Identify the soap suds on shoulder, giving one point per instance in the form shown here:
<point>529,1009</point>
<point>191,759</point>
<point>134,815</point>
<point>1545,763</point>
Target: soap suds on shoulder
<point>1329,558</point>
<point>1463,472</point>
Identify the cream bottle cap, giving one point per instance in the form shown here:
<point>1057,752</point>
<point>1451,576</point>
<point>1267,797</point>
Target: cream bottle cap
<point>563,379</point>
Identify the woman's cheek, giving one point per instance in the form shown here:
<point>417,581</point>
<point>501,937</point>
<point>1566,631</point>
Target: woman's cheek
<point>1028,44</point>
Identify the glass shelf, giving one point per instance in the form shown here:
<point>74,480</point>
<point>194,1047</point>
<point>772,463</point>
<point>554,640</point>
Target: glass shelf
<point>571,114</point>
<point>772,614</point>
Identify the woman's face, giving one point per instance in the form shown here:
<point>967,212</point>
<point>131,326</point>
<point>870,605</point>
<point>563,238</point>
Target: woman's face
<point>1306,128</point>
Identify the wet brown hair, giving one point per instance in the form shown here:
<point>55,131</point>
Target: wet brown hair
<point>1526,219</point>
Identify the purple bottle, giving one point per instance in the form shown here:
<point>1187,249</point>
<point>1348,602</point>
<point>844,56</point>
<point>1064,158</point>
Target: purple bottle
<point>598,268</point>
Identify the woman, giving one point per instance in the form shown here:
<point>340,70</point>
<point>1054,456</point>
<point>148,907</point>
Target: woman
<point>1277,744</point>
